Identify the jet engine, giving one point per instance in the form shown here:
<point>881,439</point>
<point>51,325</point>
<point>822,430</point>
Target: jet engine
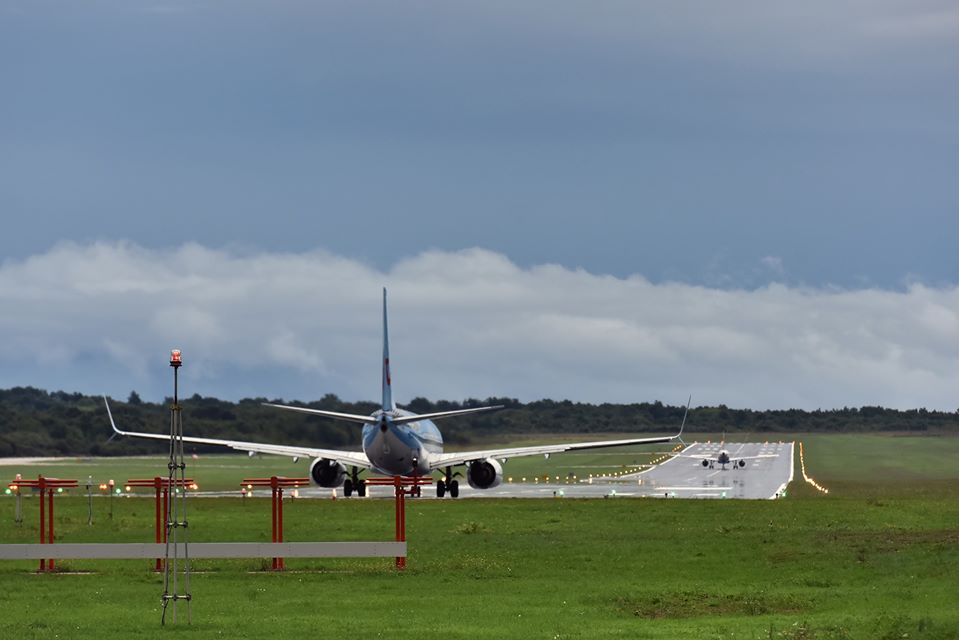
<point>484,474</point>
<point>705,463</point>
<point>740,463</point>
<point>327,473</point>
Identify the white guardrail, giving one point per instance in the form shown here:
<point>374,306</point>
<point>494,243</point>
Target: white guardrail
<point>135,550</point>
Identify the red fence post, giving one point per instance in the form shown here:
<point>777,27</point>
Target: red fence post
<point>402,486</point>
<point>276,484</point>
<point>279,520</point>
<point>400,519</point>
<point>161,502</point>
<point>46,486</point>
<point>166,506</point>
<point>49,523</point>
<point>158,566</point>
<point>43,521</point>
<point>273,506</point>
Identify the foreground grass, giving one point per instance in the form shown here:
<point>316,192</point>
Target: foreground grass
<point>796,568</point>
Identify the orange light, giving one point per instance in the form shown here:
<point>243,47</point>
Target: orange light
<point>175,357</point>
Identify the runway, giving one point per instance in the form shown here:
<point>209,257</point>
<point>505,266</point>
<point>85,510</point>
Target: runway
<point>682,476</point>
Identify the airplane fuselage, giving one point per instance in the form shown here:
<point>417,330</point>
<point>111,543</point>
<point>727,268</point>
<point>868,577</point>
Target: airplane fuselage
<point>403,449</point>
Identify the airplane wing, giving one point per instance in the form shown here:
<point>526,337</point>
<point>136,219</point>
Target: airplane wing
<point>438,461</point>
<point>351,458</point>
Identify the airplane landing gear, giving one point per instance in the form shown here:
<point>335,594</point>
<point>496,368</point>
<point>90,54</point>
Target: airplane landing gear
<point>448,485</point>
<point>354,483</point>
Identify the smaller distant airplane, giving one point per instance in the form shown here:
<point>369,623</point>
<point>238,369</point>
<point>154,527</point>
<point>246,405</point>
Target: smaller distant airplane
<point>723,458</point>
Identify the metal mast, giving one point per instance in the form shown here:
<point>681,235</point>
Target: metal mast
<point>175,589</point>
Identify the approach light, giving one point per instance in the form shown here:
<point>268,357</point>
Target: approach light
<point>14,487</point>
<point>249,487</point>
<point>59,489</point>
<point>194,486</point>
<point>296,493</point>
<point>103,486</point>
<point>8,491</point>
<point>118,491</point>
<point>127,488</point>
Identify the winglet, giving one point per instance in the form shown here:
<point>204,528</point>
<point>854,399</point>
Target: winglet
<point>116,432</point>
<point>679,435</point>
<point>387,382</point>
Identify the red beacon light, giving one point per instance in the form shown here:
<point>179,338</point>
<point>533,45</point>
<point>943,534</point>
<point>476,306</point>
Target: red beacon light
<point>175,358</point>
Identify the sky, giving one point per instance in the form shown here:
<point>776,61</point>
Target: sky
<point>752,202</point>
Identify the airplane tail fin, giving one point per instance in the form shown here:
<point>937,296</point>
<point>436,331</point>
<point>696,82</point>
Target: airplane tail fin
<point>387,381</point>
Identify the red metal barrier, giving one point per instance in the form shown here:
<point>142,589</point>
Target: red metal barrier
<point>276,483</point>
<point>162,488</point>
<point>48,486</point>
<point>400,484</point>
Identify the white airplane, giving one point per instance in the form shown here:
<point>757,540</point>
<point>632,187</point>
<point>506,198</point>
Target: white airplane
<point>398,442</point>
<point>724,457</point>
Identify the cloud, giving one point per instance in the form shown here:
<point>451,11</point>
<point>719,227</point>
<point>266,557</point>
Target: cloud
<point>102,317</point>
<point>773,263</point>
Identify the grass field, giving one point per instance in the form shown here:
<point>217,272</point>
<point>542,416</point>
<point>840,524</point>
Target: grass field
<point>876,558</point>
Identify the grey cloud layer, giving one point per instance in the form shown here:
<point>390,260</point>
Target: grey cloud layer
<point>101,317</point>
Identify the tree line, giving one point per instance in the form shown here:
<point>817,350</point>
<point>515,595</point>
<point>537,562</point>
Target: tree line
<point>34,422</point>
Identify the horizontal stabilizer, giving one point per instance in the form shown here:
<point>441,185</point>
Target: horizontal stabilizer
<point>335,415</point>
<point>442,414</point>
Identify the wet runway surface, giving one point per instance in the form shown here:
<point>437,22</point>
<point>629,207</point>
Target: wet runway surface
<point>768,468</point>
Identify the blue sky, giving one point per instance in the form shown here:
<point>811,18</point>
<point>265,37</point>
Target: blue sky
<point>723,149</point>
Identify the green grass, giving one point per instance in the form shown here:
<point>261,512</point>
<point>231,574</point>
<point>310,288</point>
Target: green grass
<point>521,568</point>
<point>861,464</point>
<point>874,559</point>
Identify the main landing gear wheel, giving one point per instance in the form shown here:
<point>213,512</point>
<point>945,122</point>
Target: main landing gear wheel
<point>440,488</point>
<point>361,488</point>
<point>347,488</point>
<point>455,489</point>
